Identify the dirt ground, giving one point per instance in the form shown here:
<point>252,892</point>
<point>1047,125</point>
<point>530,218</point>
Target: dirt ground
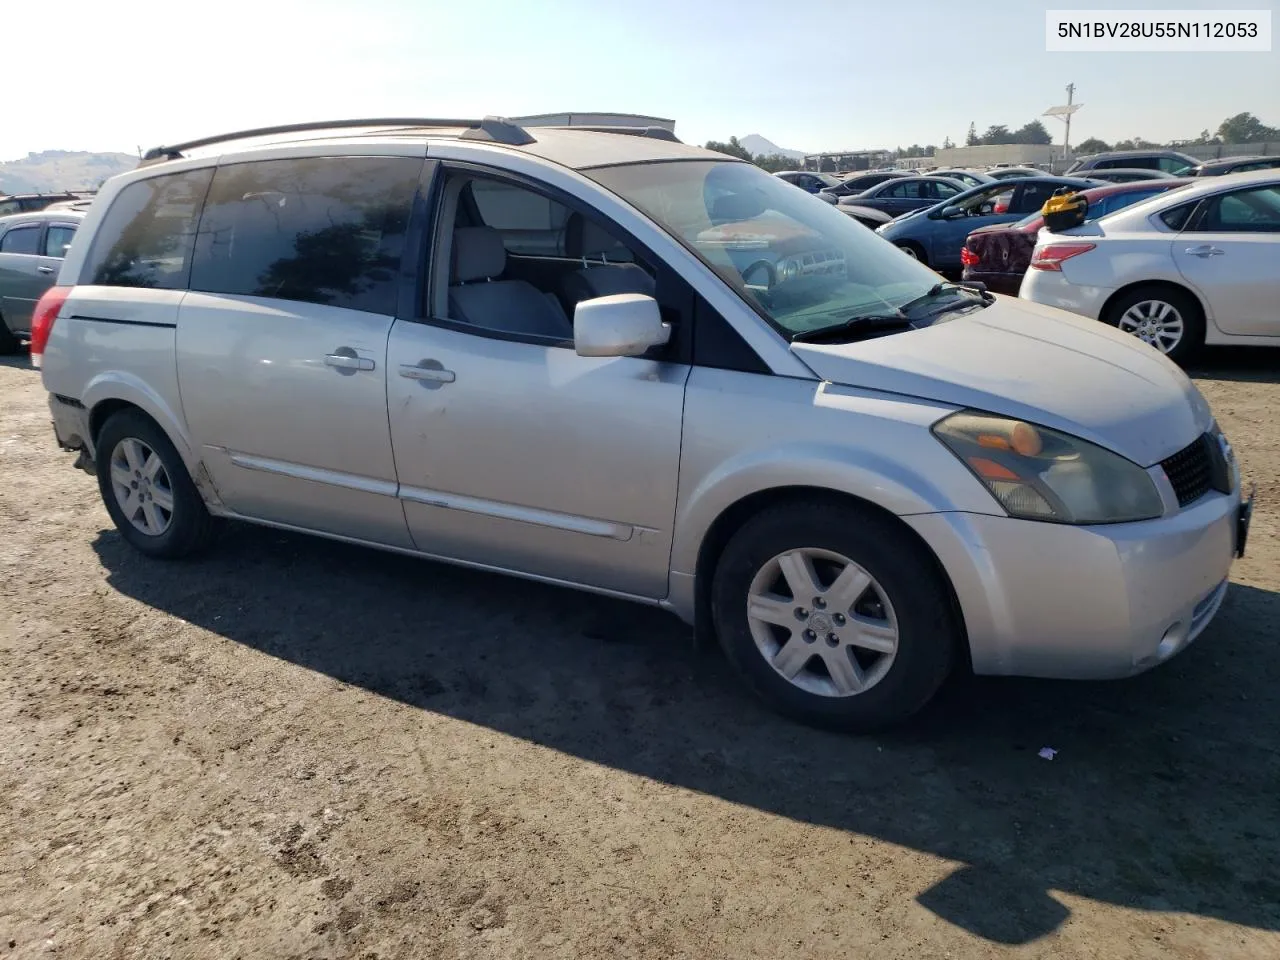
<point>298,749</point>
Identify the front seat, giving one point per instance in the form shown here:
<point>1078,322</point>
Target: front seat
<point>512,306</point>
<point>599,276</point>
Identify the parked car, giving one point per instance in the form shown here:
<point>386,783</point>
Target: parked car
<point>668,377</point>
<point>866,216</point>
<point>936,234</point>
<point>970,178</point>
<point>904,194</point>
<point>32,202</point>
<point>998,255</point>
<point>857,183</point>
<point>1217,168</point>
<point>1170,161</point>
<point>32,247</point>
<point>1013,173</point>
<point>1190,267</point>
<point>1128,175</point>
<point>807,181</point>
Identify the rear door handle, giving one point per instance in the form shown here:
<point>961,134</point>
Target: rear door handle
<point>429,370</point>
<point>1205,252</point>
<point>45,270</point>
<point>346,362</point>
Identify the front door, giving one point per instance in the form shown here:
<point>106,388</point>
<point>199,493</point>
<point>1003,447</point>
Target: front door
<point>282,341</point>
<point>1231,254</point>
<point>512,451</point>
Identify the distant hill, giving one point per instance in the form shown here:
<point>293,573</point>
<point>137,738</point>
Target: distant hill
<point>53,170</point>
<point>758,144</point>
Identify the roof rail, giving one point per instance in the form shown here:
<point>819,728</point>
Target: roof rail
<point>495,129</point>
<point>654,133</point>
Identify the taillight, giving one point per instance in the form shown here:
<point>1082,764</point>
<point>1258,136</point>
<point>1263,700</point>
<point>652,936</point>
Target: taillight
<point>968,257</point>
<point>42,321</point>
<point>1050,257</point>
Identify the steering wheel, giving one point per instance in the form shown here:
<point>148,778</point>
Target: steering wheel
<point>771,275</point>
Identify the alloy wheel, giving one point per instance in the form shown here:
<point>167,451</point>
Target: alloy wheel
<point>141,486</point>
<point>822,622</point>
<point>1155,322</point>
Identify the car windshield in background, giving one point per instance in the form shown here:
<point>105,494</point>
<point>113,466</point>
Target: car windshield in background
<point>801,262</point>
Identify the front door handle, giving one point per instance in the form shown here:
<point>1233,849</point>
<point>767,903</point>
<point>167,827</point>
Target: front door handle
<point>345,361</point>
<point>429,370</point>
<point>45,270</point>
<point>1205,252</point>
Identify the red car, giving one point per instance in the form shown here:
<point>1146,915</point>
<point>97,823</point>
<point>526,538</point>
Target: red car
<point>999,255</point>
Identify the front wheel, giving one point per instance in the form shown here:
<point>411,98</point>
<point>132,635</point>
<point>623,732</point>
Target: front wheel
<point>833,615</point>
<point>147,490</point>
<point>1164,318</point>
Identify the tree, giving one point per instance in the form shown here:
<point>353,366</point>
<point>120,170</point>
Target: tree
<point>1033,132</point>
<point>773,162</point>
<point>733,148</point>
<point>1092,145</point>
<point>947,144</point>
<point>997,133</point>
<point>1246,128</point>
<point>971,138</point>
<point>1137,143</point>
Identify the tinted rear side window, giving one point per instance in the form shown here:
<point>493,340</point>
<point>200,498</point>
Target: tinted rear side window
<point>317,229</point>
<point>146,237</point>
<point>1176,218</point>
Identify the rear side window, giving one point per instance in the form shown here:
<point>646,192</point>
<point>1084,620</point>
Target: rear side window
<point>1176,218</point>
<point>327,230</point>
<point>146,237</point>
<point>56,240</point>
<point>25,239</point>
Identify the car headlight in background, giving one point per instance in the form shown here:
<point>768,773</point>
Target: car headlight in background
<point>1040,474</point>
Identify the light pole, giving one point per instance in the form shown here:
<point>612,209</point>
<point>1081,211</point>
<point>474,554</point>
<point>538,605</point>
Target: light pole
<point>1064,113</point>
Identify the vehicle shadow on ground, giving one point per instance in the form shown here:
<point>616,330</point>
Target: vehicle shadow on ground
<point>18,361</point>
<point>1237,365</point>
<point>1162,795</point>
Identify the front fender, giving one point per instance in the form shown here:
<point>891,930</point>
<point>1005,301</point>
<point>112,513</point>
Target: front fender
<point>120,385</point>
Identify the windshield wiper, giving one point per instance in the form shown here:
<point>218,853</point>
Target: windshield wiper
<point>855,328</point>
<point>945,288</point>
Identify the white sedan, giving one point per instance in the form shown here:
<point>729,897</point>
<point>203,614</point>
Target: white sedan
<point>1189,267</point>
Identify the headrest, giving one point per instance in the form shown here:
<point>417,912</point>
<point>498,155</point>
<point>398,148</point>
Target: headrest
<point>478,254</point>
<point>585,238</point>
<point>736,206</point>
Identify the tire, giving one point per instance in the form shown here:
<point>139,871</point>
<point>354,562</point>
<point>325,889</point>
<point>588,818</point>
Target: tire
<point>913,251</point>
<point>122,444</point>
<point>906,591</point>
<point>8,342</point>
<point>1185,306</point>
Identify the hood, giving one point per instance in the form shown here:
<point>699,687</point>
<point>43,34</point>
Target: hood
<point>1035,363</point>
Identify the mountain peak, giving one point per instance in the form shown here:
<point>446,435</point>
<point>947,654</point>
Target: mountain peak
<point>757,144</point>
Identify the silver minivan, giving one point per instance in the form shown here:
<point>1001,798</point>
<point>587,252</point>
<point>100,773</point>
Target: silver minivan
<point>607,360</point>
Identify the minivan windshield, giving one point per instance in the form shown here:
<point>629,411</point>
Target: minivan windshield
<point>800,262</point>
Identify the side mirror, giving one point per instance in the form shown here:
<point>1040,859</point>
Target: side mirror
<point>947,213</point>
<point>622,325</point>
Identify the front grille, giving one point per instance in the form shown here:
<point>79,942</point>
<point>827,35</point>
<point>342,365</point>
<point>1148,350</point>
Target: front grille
<point>1190,470</point>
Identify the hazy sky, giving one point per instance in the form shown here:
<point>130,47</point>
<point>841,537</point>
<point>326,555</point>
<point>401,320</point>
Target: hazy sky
<point>817,74</point>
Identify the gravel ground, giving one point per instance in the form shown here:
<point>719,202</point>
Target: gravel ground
<point>298,749</point>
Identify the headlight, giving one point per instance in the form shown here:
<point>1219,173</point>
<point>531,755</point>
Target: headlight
<point>1041,474</point>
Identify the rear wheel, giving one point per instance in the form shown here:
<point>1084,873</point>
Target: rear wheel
<point>8,342</point>
<point>1164,318</point>
<point>833,615</point>
<point>147,490</point>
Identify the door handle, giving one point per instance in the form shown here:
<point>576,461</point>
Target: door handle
<point>1205,252</point>
<point>347,362</point>
<point>428,370</point>
<point>45,270</point>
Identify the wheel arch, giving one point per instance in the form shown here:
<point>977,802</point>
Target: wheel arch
<point>1161,284</point>
<point>109,393</point>
<point>733,516</point>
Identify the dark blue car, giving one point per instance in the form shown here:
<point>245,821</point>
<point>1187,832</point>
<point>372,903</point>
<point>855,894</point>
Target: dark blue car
<point>936,234</point>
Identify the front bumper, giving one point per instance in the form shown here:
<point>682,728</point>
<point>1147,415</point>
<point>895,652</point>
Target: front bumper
<point>1097,602</point>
